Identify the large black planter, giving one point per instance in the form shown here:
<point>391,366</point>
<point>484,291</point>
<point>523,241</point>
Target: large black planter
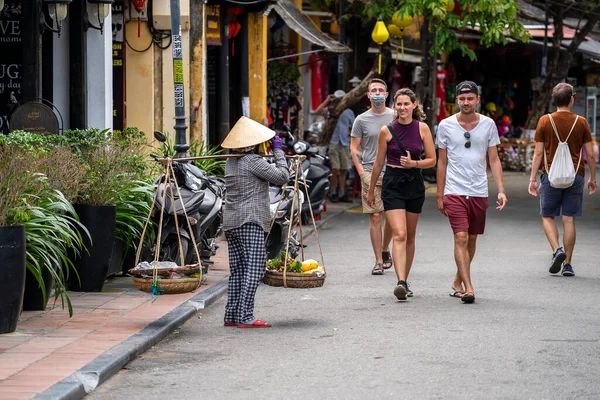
<point>121,261</point>
<point>33,300</point>
<point>92,268</point>
<point>12,275</point>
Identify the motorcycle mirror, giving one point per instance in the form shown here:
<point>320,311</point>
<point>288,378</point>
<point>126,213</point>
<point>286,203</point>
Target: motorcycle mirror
<point>160,136</point>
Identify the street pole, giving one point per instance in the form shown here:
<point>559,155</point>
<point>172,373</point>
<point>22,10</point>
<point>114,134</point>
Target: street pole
<point>181,147</point>
<point>545,48</point>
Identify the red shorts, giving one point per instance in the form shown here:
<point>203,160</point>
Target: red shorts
<point>466,213</point>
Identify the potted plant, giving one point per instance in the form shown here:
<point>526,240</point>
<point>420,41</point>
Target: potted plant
<point>112,160</point>
<point>15,182</point>
<point>49,220</point>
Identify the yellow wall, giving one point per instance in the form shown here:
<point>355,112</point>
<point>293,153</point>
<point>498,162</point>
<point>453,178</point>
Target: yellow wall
<point>257,66</point>
<point>139,80</point>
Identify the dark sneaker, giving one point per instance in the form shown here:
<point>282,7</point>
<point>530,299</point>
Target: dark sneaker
<point>558,258</point>
<point>409,293</point>
<point>334,198</point>
<point>401,290</point>
<point>568,270</point>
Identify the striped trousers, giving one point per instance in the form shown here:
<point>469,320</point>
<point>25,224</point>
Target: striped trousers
<point>247,259</point>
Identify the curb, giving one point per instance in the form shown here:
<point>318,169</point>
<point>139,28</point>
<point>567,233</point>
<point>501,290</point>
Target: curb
<point>109,363</point>
<point>97,371</point>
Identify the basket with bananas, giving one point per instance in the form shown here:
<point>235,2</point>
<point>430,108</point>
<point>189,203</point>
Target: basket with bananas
<point>297,274</point>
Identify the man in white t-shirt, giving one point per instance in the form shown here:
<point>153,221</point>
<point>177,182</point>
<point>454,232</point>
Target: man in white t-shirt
<point>464,140</point>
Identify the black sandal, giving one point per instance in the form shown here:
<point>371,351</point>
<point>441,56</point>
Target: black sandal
<point>377,269</point>
<point>387,260</point>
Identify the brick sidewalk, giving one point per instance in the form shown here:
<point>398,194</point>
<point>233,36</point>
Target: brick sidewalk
<point>48,346</point>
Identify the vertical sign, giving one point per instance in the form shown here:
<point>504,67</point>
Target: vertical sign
<point>118,54</point>
<point>11,60</point>
<point>213,25</point>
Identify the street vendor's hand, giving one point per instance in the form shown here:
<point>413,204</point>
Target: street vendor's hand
<point>371,198</point>
<point>502,200</point>
<point>276,143</point>
<point>533,188</point>
<point>440,205</point>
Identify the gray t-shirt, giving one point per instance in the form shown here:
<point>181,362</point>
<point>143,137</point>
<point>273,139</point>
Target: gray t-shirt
<point>466,174</point>
<point>366,127</point>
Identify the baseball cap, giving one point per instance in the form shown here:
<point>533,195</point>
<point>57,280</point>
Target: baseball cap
<point>467,87</point>
<point>339,93</point>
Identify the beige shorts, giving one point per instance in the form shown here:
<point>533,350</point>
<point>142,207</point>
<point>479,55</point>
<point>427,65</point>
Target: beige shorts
<point>365,180</point>
<point>339,156</point>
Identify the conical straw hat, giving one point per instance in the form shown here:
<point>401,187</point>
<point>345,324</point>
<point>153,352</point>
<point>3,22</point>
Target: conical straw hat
<point>246,133</point>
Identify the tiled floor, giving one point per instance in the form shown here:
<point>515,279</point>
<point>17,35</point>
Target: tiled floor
<point>48,346</point>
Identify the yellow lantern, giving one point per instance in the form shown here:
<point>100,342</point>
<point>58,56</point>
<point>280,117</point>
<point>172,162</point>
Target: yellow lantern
<point>380,35</point>
<point>398,33</point>
<point>449,5</point>
<point>334,28</point>
<point>401,20</point>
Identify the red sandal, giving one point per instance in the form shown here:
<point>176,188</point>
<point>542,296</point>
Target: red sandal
<point>230,324</point>
<point>256,324</point>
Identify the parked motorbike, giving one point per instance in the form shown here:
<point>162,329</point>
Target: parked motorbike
<point>281,210</point>
<point>317,178</point>
<point>202,197</point>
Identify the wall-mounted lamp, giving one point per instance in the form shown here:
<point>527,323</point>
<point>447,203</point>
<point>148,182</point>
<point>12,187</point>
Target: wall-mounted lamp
<point>57,10</point>
<point>99,10</point>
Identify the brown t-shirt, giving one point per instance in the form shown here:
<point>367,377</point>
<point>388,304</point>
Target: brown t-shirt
<point>563,121</point>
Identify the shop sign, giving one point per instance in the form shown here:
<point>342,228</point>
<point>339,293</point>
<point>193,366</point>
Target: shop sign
<point>118,57</point>
<point>213,25</point>
<point>12,59</point>
<point>35,118</point>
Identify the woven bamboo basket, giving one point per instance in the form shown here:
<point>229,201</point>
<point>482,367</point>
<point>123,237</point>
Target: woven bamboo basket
<point>169,286</point>
<point>294,279</point>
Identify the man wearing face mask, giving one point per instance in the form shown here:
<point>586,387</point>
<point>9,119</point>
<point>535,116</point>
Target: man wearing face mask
<point>363,147</point>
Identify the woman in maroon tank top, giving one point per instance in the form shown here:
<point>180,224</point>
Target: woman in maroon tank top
<point>403,190</point>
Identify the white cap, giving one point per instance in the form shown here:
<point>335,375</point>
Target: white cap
<point>339,93</point>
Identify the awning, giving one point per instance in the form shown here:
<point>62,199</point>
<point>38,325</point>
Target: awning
<point>589,48</point>
<point>305,27</point>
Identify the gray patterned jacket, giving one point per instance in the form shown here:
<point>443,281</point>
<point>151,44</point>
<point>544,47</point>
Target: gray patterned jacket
<point>247,195</point>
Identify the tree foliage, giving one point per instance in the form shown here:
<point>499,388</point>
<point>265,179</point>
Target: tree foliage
<point>496,20</point>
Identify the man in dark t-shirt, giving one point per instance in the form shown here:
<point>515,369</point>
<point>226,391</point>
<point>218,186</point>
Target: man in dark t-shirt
<point>566,202</point>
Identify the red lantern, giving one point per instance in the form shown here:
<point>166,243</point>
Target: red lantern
<point>139,6</point>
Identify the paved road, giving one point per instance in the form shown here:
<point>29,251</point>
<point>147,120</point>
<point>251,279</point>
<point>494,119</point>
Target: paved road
<point>529,335</point>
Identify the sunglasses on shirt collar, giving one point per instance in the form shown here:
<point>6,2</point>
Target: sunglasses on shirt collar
<point>468,142</point>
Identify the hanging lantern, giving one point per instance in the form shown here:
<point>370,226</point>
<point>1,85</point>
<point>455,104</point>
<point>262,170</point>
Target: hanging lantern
<point>401,20</point>
<point>449,5</point>
<point>398,33</point>
<point>380,35</point>
<point>334,27</point>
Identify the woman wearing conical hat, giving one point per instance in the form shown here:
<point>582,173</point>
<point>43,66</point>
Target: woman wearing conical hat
<point>247,217</point>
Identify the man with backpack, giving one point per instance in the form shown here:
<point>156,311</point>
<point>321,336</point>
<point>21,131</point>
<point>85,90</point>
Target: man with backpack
<point>560,138</point>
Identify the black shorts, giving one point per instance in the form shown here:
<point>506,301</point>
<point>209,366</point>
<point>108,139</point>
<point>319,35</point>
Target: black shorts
<point>403,189</point>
